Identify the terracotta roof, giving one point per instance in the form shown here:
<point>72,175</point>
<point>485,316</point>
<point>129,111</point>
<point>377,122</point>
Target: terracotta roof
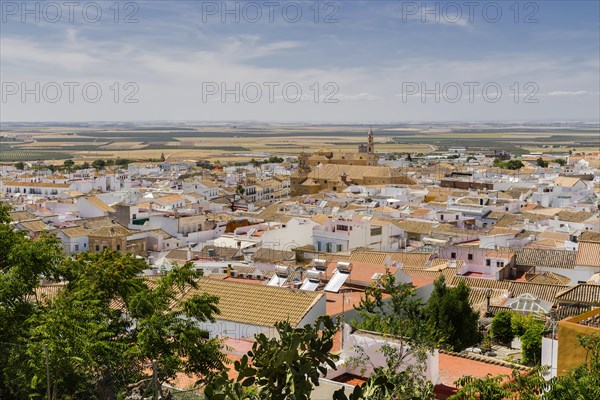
<point>575,216</point>
<point>550,278</point>
<point>583,293</point>
<point>75,231</point>
<point>420,227</point>
<point>531,257</point>
<point>589,236</point>
<point>265,254</point>
<point>257,304</point>
<point>18,216</point>
<point>95,201</point>
<point>480,283</point>
<point>541,291</point>
<point>588,254</point>
<point>566,181</point>
<point>34,226</point>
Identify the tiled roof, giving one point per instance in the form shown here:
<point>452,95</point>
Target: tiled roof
<point>572,310</point>
<point>257,304</point>
<point>575,216</point>
<point>420,227</point>
<point>541,291</point>
<point>75,231</point>
<point>481,283</point>
<point>531,257</point>
<point>273,256</point>
<point>588,254</point>
<point>583,293</point>
<point>478,297</point>
<point>411,260</point>
<point>34,226</point>
<point>589,236</point>
<point>550,278</point>
<point>18,216</point>
<point>95,201</point>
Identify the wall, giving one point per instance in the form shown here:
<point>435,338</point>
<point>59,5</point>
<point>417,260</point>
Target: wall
<point>570,353</point>
<point>371,344</point>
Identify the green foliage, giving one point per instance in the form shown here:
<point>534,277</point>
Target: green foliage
<point>99,164</point>
<point>454,324</point>
<point>400,315</point>
<point>502,327</point>
<point>540,162</point>
<point>68,163</point>
<point>582,382</point>
<point>103,326</point>
<point>20,165</point>
<point>561,161</point>
<point>287,367</point>
<point>531,343</point>
<point>397,379</point>
<point>510,164</point>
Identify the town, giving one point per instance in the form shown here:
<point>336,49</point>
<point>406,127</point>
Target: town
<point>330,233</point>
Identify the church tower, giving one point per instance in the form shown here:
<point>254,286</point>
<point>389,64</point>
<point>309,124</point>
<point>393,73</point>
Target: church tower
<point>370,142</point>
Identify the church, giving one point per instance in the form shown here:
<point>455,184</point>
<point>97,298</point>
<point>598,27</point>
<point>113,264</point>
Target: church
<point>330,171</point>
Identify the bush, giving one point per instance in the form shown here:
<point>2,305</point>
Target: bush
<point>531,343</point>
<point>502,328</point>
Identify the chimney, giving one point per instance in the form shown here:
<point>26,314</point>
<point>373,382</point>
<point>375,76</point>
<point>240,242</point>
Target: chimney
<point>487,307</point>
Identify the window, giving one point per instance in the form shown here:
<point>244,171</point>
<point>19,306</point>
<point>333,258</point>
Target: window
<point>328,248</point>
<point>339,247</point>
<point>457,217</point>
<point>118,247</point>
<point>76,247</point>
<point>500,264</point>
<point>342,227</point>
<point>134,216</point>
<point>488,262</point>
<point>470,257</point>
<point>376,231</point>
<point>318,246</point>
<point>453,255</point>
<point>97,247</point>
<point>442,217</point>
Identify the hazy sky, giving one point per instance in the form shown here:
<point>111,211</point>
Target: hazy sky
<point>353,61</point>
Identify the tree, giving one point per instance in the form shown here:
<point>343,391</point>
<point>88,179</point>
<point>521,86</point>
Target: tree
<point>454,324</point>
<point>20,165</point>
<point>514,164</point>
<point>502,327</point>
<point>400,315</point>
<point>581,382</point>
<point>531,343</point>
<point>516,386</point>
<point>240,190</point>
<point>99,164</point>
<point>107,321</point>
<point>541,162</point>
<point>85,165</point>
<point>68,164</point>
<point>561,161</point>
<point>280,368</point>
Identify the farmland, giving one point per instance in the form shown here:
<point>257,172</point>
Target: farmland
<point>245,141</point>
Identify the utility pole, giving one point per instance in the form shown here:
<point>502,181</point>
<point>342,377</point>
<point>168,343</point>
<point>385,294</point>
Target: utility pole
<point>49,393</point>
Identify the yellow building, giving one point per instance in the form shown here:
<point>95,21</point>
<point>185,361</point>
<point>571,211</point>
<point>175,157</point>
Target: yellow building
<point>570,353</point>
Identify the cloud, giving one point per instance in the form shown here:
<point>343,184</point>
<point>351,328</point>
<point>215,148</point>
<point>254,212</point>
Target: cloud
<point>560,93</point>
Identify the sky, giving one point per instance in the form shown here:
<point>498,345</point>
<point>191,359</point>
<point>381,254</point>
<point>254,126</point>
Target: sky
<point>300,61</point>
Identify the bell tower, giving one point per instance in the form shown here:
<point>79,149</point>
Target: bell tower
<point>370,142</point>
